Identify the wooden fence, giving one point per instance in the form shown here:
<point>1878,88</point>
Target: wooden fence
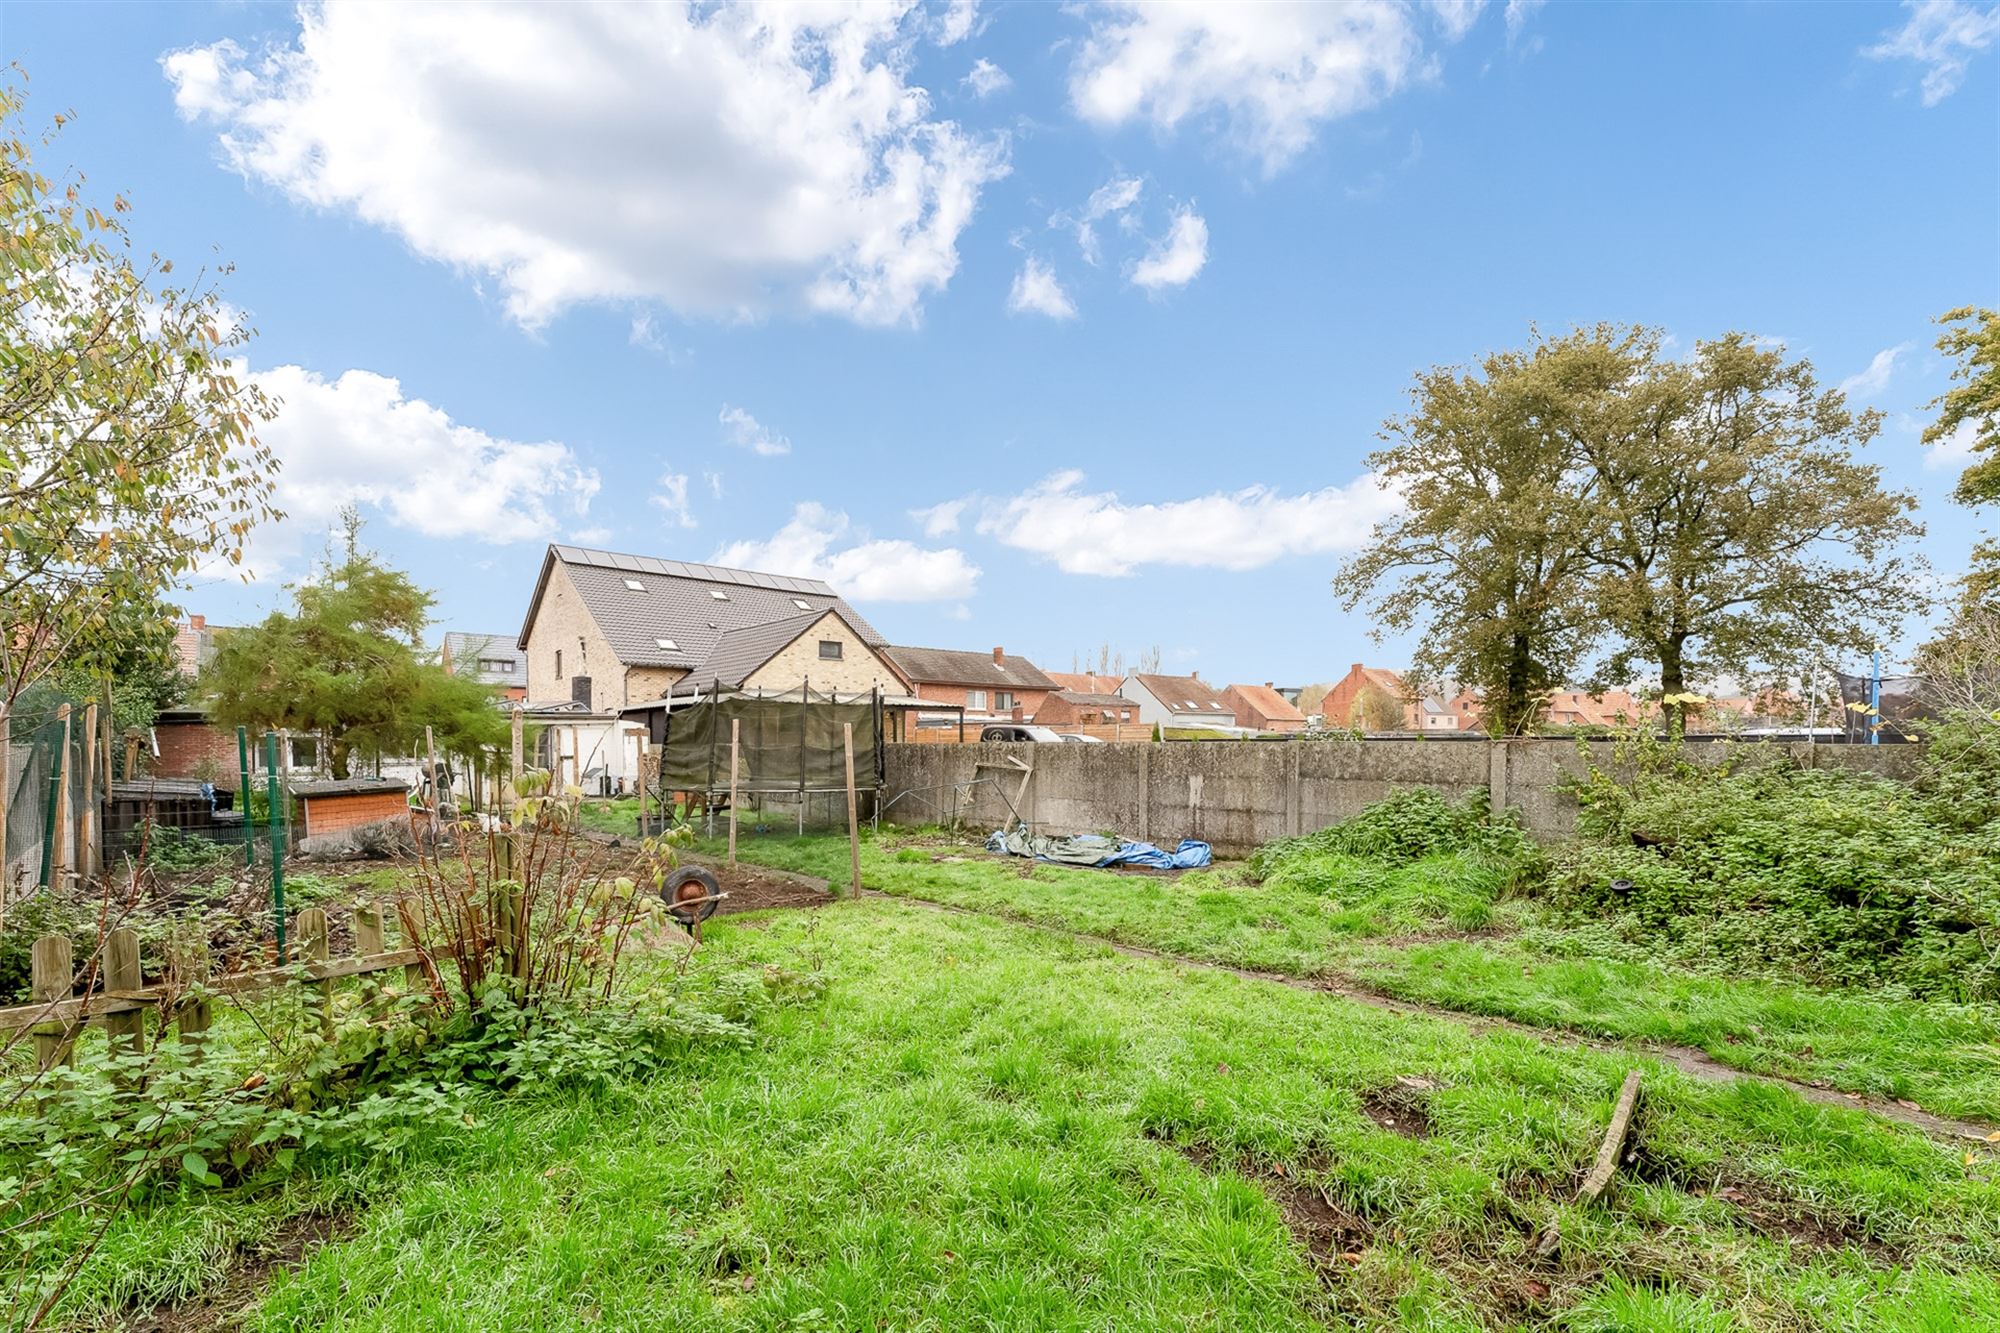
<point>122,1000</point>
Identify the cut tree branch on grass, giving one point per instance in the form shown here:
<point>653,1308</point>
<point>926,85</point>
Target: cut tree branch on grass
<point>1606,1165</point>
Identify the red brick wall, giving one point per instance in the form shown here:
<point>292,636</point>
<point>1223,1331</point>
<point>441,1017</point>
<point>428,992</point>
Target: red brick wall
<point>1027,700</point>
<point>183,746</point>
<point>331,814</point>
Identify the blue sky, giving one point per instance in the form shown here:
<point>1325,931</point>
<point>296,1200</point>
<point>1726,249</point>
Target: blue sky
<point>817,293</point>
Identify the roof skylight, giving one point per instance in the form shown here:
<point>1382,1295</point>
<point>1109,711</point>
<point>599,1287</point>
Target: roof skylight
<point>718,594</point>
<point>635,585</point>
<point>801,604</point>
<point>668,644</point>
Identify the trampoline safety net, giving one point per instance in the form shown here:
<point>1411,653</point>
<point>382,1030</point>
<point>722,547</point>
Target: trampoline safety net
<point>788,744</point>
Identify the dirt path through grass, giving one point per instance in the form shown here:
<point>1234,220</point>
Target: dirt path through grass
<point>1689,1060</point>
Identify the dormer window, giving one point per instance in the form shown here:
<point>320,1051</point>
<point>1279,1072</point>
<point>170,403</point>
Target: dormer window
<point>635,585</point>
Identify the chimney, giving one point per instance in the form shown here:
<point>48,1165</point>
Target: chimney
<point>197,622</point>
<point>999,657</point>
<point>1270,684</point>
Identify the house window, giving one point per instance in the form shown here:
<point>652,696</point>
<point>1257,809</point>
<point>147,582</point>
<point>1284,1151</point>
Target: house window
<point>559,662</point>
<point>668,645</point>
<point>829,650</point>
<point>1002,699</point>
<point>501,665</point>
<point>635,585</point>
<point>975,698</point>
<point>718,594</point>
<point>801,604</point>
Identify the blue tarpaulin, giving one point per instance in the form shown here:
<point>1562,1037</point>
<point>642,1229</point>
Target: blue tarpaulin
<point>1090,849</point>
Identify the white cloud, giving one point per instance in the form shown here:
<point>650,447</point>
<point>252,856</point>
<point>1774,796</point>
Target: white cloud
<point>940,520</point>
<point>1875,378</point>
<point>1113,198</point>
<point>1954,450</point>
<point>987,78</point>
<point>714,480</point>
<point>1097,533</point>
<point>671,497</point>
<point>1036,291</point>
<point>956,23</point>
<point>866,571</point>
<point>1456,17</point>
<point>722,160</point>
<point>590,536</point>
<point>1518,14</point>
<point>1944,36</point>
<point>744,431</point>
<point>358,439</point>
<point>646,333</point>
<point>1273,72</point>
<point>1177,257</point>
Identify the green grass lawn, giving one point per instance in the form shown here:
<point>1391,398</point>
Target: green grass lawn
<point>1392,929</point>
<point>982,1126</point>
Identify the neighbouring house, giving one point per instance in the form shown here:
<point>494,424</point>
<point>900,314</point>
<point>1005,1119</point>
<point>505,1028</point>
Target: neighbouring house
<point>1068,710</point>
<point>1574,708</point>
<point>491,659</point>
<point>1263,708</point>
<point>184,743</point>
<point>1371,698</point>
<point>607,630</point>
<point>194,643</point>
<point>989,688</point>
<point>1177,701</point>
<point>1086,682</point>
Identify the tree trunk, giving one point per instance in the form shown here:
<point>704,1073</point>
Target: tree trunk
<point>1673,684</point>
<point>337,755</point>
<point>1516,705</point>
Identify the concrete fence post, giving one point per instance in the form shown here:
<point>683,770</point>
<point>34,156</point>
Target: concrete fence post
<point>1145,794</point>
<point>1496,775</point>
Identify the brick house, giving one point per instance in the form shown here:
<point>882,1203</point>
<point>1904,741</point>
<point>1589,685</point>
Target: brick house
<point>194,643</point>
<point>1086,682</point>
<point>1067,710</point>
<point>607,630</point>
<point>1177,701</point>
<point>491,659</point>
<point>1263,708</point>
<point>995,688</point>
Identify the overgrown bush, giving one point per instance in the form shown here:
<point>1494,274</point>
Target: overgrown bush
<point>1408,826</point>
<point>1827,875</point>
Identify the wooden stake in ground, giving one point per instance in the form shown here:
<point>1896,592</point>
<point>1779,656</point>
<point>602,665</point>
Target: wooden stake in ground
<point>86,813</point>
<point>735,737</point>
<point>52,976</point>
<point>121,974</point>
<point>430,750</point>
<point>59,832</point>
<point>853,826</point>
<point>6,790</point>
<point>1606,1166</point>
<point>514,767</point>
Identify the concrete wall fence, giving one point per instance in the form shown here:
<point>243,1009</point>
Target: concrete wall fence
<point>1238,795</point>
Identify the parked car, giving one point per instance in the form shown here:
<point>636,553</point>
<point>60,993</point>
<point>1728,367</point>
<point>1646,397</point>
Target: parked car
<point>1081,739</point>
<point>1017,731</point>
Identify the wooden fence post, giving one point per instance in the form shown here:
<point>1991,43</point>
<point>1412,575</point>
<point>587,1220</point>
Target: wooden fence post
<point>59,830</point>
<point>190,962</point>
<point>313,946</point>
<point>514,769</point>
<point>6,791</point>
<point>367,943</point>
<point>52,976</point>
<point>735,741</point>
<point>122,973</point>
<point>86,814</point>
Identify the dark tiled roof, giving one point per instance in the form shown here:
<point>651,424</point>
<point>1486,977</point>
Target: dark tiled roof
<point>468,650</point>
<point>950,666</point>
<point>741,651</point>
<point>678,602</point>
<point>1185,694</point>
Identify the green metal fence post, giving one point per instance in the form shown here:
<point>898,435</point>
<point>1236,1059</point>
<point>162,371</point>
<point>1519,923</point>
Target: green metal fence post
<point>277,837</point>
<point>49,821</point>
<point>249,825</point>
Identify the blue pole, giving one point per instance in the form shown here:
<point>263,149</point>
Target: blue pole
<point>1875,698</point>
